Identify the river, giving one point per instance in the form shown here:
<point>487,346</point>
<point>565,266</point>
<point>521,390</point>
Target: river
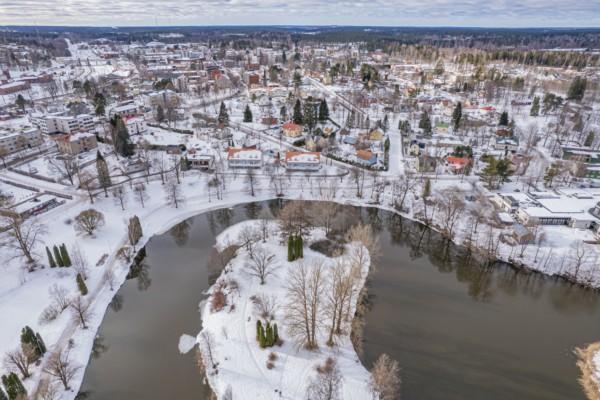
<point>459,329</point>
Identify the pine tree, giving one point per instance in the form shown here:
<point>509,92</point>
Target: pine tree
<point>457,115</point>
<point>123,144</point>
<point>323,111</point>
<point>57,256</point>
<point>503,119</point>
<point>103,174</point>
<point>535,107</point>
<point>247,114</point>
<point>298,118</point>
<point>223,117</point>
<point>64,254</point>
<point>425,123</point>
<point>81,285</point>
<point>51,261</point>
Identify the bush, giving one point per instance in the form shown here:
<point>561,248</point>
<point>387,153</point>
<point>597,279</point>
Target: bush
<point>270,365</point>
<point>49,314</point>
<point>218,300</point>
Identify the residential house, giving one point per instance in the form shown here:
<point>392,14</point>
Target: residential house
<point>291,130</point>
<point>302,161</point>
<point>244,158</point>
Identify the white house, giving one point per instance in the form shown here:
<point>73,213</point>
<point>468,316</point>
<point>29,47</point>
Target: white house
<point>244,158</point>
<point>299,161</point>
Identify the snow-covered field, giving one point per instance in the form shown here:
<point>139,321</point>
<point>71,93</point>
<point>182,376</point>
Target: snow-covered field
<point>243,366</point>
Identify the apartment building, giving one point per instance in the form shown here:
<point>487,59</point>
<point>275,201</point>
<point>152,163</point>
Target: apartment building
<point>17,139</point>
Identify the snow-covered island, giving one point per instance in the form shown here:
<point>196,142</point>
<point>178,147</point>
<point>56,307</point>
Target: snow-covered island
<point>308,304</point>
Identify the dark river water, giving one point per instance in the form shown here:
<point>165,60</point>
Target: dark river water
<point>460,330</point>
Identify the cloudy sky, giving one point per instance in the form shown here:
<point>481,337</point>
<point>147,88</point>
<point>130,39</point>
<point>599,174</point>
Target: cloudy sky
<point>489,13</point>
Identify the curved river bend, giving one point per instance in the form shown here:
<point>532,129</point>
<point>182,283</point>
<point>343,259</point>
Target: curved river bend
<point>459,330</point>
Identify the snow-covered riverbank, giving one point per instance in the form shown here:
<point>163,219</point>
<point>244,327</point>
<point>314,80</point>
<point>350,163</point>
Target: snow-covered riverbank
<point>589,364</point>
<point>228,339</point>
<point>24,295</point>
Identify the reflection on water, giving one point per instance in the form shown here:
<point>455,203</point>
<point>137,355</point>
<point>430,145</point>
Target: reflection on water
<point>461,329</point>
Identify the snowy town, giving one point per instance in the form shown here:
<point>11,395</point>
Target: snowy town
<point>110,141</point>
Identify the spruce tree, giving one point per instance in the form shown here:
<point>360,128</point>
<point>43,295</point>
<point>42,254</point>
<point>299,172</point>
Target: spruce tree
<point>247,114</point>
<point>503,119</point>
<point>223,117</point>
<point>64,254</point>
<point>81,285</point>
<point>457,115</point>
<point>3,395</point>
<point>103,174</point>
<point>310,117</point>
<point>275,334</point>
<point>57,256</point>
<point>425,123</point>
<point>123,144</point>
<point>297,117</point>
<point>535,107</point>
<point>51,261</point>
<point>323,111</point>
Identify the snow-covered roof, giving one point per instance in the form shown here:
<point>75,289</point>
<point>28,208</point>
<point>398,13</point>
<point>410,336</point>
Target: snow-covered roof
<point>300,157</point>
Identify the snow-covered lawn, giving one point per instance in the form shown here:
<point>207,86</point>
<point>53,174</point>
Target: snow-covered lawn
<point>243,366</point>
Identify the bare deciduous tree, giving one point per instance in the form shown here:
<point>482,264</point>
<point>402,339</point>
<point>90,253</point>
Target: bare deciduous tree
<point>251,181</point>
<point>451,206</point>
<point>19,360</point>
<point>385,378</point>
<point>140,193</point>
<point>59,297</point>
<point>81,311</point>
<point>88,221</point>
<point>65,166</point>
<point>340,288</point>
<point>304,304</point>
<point>266,306</point>
<point>79,261</point>
<point>120,196</point>
<point>327,384</point>
<point>173,194</point>
<point>61,367</point>
<point>358,176</point>
<point>109,278</point>
<point>207,348</point>
<point>23,234</point>
<point>261,264</point>
<point>294,219</point>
